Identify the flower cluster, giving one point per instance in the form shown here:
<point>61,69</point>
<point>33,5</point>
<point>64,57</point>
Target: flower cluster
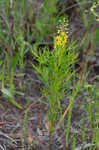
<point>62,35</point>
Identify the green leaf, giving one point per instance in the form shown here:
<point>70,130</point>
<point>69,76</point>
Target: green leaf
<point>96,37</point>
<point>6,92</point>
<point>85,20</point>
<point>15,103</point>
<point>1,62</point>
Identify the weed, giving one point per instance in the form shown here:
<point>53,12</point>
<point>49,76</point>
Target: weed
<point>55,70</point>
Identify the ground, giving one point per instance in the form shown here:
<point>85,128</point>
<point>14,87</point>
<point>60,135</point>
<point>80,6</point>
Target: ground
<point>27,127</point>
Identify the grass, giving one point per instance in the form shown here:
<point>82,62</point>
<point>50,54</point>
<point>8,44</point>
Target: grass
<point>21,34</point>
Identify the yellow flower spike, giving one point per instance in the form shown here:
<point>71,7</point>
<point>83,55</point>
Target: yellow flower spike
<point>61,38</point>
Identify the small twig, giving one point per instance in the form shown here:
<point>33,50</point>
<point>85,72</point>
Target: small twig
<point>15,134</point>
<point>63,116</point>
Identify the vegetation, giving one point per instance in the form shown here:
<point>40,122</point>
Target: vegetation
<point>42,38</point>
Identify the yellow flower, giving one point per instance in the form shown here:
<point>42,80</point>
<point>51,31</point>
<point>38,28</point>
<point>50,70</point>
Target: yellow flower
<point>62,35</point>
<point>61,39</point>
<point>58,38</point>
